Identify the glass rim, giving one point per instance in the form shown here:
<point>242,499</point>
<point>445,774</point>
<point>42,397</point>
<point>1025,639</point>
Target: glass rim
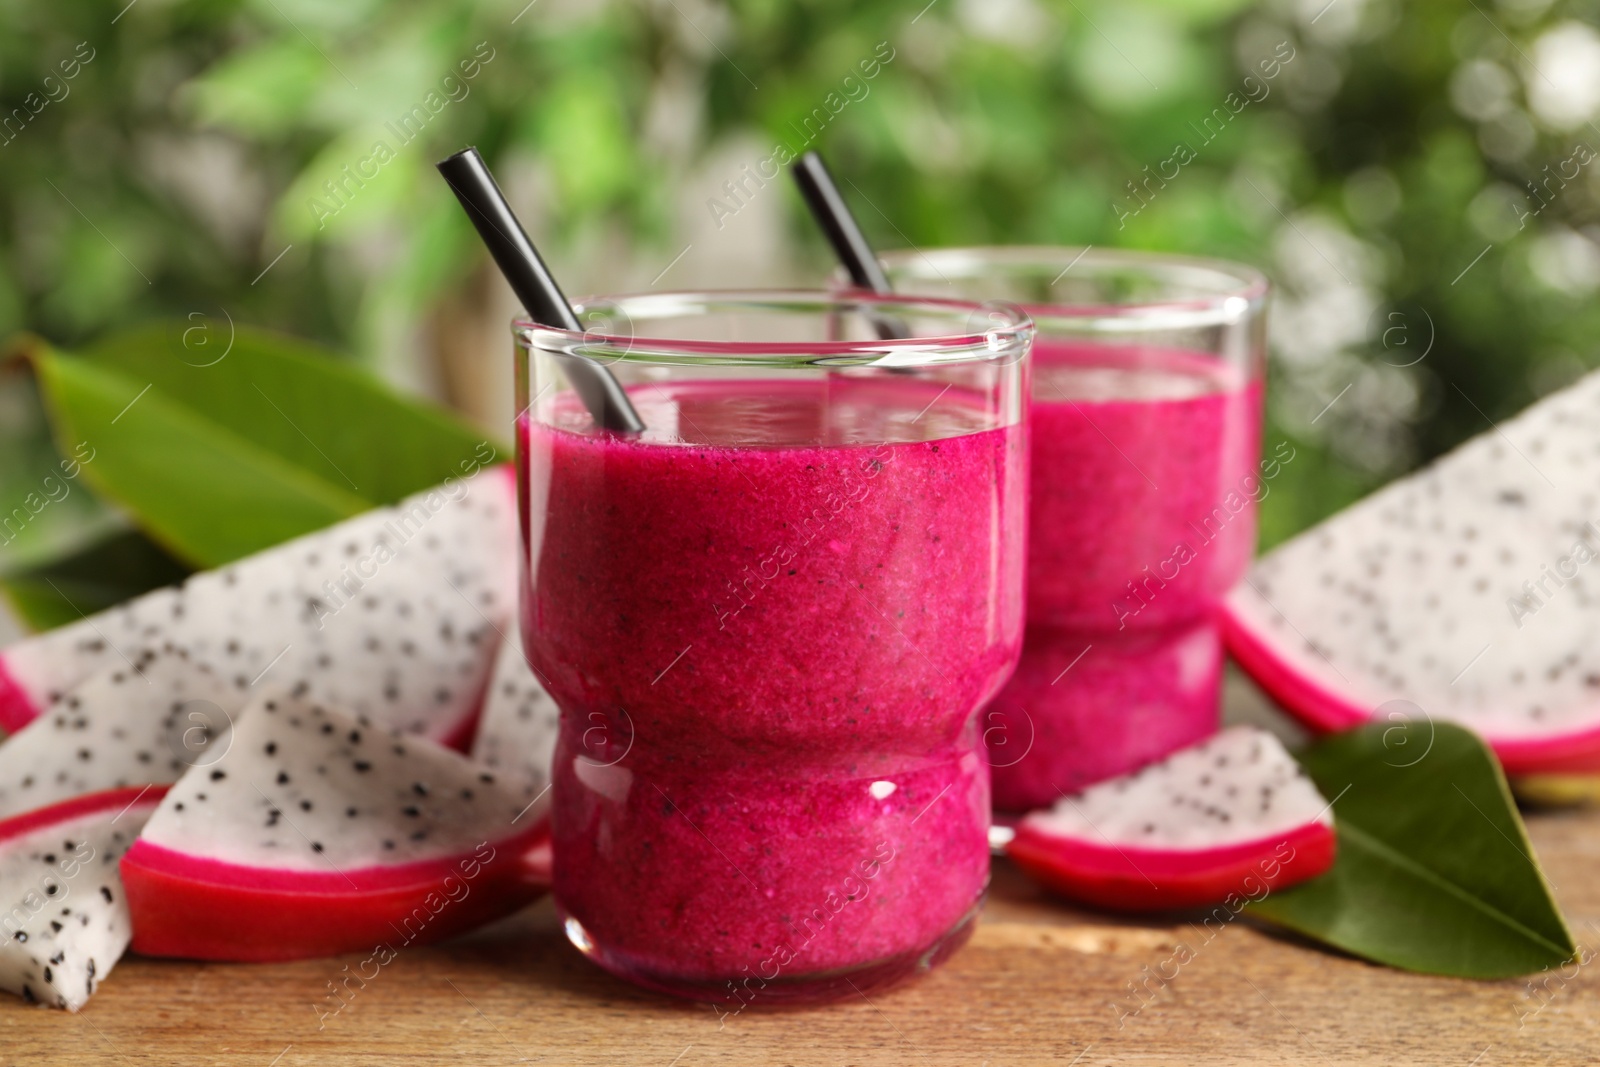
<point>1242,289</point>
<point>1005,334</point>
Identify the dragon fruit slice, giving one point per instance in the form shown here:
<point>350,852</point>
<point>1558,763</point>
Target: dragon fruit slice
<point>1463,592</point>
<point>517,738</point>
<point>389,614</point>
<point>67,922</point>
<point>318,833</point>
<point>145,722</point>
<point>517,735</point>
<point>1234,814</point>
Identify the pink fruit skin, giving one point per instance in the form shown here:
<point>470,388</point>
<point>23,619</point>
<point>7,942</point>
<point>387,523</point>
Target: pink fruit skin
<point>736,798</point>
<point>17,708</point>
<point>110,800</point>
<point>1325,711</point>
<point>190,907</point>
<point>1137,880</point>
<point>1117,483</point>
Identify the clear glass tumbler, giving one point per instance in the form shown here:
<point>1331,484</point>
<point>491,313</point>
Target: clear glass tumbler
<point>1146,472</point>
<point>770,621</point>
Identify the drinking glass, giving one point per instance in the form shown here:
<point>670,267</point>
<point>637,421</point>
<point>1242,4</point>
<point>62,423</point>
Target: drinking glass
<point>770,621</point>
<point>1146,473</point>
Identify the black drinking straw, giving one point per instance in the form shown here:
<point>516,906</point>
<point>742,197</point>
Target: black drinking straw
<point>531,280</point>
<point>839,226</point>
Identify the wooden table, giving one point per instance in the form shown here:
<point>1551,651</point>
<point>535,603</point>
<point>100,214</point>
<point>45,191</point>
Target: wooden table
<point>1040,982</point>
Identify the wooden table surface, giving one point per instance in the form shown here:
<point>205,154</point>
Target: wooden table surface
<point>1040,982</point>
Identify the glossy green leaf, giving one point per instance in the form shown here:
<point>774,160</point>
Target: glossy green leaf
<point>113,568</point>
<point>1435,872</point>
<point>44,513</point>
<point>220,443</point>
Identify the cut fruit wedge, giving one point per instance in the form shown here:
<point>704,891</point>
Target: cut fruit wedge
<point>1233,816</point>
<point>517,733</point>
<point>67,919</point>
<point>1468,591</point>
<point>145,722</point>
<point>393,614</point>
<point>318,833</point>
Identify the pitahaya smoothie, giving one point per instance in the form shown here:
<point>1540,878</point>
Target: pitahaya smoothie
<point>770,622</point>
<point>1143,486</point>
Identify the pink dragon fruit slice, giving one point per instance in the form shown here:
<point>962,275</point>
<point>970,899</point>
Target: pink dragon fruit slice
<point>67,923</point>
<point>517,734</point>
<point>389,614</point>
<point>1465,591</point>
<point>137,724</point>
<point>318,833</point>
<point>1233,815</point>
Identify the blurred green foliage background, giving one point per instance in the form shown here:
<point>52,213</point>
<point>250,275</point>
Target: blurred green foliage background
<point>1414,179</point>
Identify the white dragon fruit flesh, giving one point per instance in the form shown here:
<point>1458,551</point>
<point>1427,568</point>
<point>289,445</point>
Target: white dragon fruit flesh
<point>318,833</point>
<point>1466,591</point>
<point>517,733</point>
<point>393,614</point>
<point>1233,814</point>
<point>65,923</point>
<point>140,723</point>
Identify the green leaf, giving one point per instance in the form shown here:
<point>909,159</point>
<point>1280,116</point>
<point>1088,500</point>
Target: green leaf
<point>44,513</point>
<point>117,567</point>
<point>1435,872</point>
<point>220,443</point>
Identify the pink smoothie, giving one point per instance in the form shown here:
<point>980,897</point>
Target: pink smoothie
<point>1143,490</point>
<point>769,622</point>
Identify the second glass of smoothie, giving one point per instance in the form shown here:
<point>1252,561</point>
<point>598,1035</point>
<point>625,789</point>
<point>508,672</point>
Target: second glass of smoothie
<point>1146,473</point>
<point>770,621</point>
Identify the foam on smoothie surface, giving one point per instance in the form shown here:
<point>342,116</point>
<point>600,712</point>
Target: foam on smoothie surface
<point>840,411</point>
